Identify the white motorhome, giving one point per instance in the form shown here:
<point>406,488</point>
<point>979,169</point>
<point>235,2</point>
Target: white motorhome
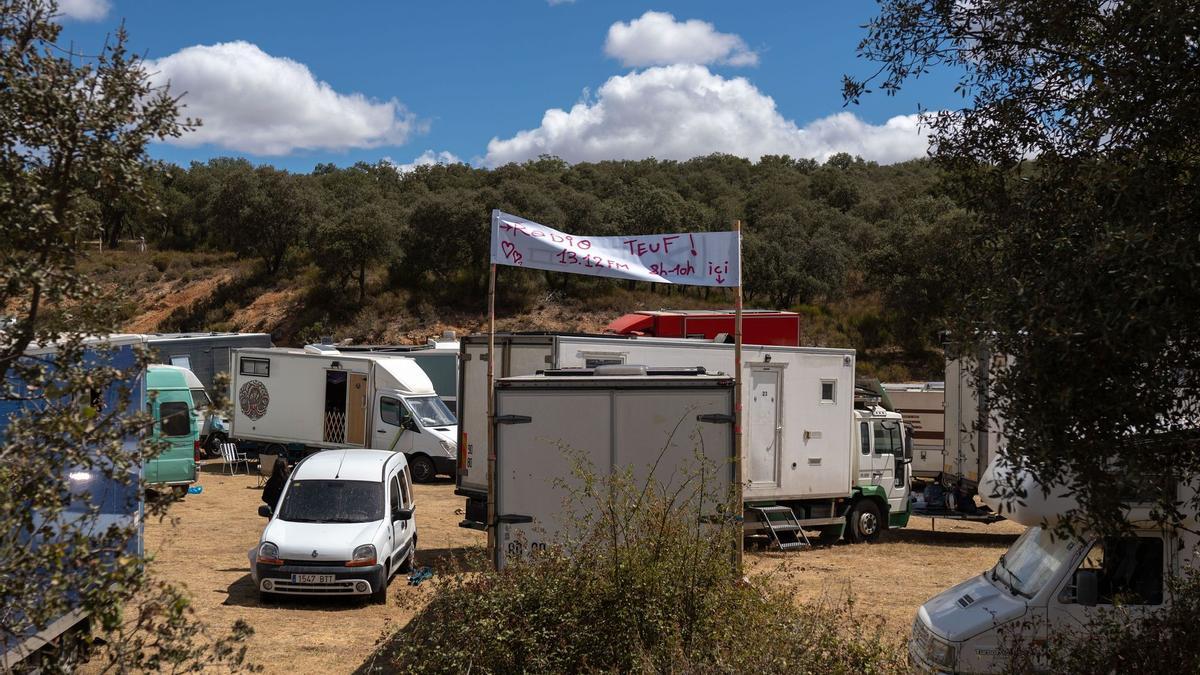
<point>806,447</point>
<point>923,405</point>
<point>653,425</point>
<point>437,357</point>
<point>317,398</point>
<point>970,445</point>
<point>1045,583</point>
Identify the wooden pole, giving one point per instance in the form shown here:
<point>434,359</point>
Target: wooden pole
<point>491,418</point>
<point>737,398</point>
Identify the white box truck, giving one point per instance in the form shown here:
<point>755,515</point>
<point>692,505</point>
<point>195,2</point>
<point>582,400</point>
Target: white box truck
<point>970,445</point>
<point>923,406</point>
<point>298,400</point>
<point>807,447</point>
<point>653,425</point>
<point>1046,583</point>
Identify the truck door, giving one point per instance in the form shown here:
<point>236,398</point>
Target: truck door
<point>886,447</point>
<point>765,428</point>
<point>390,433</point>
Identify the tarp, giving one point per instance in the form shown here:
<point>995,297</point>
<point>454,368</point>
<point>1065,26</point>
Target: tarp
<point>695,259</point>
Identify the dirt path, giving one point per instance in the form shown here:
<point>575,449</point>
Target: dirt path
<point>206,552</point>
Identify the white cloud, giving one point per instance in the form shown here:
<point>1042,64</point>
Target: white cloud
<point>84,10</point>
<point>427,158</point>
<point>680,112</point>
<point>657,39</point>
<point>250,101</point>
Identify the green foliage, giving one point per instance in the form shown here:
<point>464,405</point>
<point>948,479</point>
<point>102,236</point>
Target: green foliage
<point>636,584</point>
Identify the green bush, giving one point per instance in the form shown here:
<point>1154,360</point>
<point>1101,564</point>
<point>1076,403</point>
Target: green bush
<point>637,585</point>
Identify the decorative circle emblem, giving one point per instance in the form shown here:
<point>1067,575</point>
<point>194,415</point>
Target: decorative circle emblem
<point>253,399</point>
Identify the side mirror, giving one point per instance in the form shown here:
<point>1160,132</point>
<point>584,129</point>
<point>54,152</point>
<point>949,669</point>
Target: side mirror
<point>264,511</point>
<point>403,514</point>
<point>1087,587</point>
<point>411,424</point>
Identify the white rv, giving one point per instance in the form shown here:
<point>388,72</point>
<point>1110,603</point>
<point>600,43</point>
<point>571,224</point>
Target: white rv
<point>806,447</point>
<point>653,425</point>
<point>1047,584</point>
<point>438,358</point>
<point>923,405</point>
<point>317,398</point>
<point>970,445</point>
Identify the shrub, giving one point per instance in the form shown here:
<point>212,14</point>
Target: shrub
<point>638,584</point>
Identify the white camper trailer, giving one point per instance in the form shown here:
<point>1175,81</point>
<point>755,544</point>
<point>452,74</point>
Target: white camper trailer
<point>1047,583</point>
<point>970,446</point>
<point>318,397</point>
<point>806,448</point>
<point>923,405</point>
<point>653,425</point>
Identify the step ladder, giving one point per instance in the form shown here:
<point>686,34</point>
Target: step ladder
<point>784,528</point>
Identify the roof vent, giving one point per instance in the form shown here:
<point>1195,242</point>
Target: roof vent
<point>321,349</point>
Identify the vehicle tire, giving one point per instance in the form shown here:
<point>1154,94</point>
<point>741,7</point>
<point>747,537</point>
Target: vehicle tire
<point>212,444</point>
<point>266,598</point>
<point>864,522</point>
<point>410,561</point>
<point>422,467</point>
<point>379,597</point>
<point>830,535</point>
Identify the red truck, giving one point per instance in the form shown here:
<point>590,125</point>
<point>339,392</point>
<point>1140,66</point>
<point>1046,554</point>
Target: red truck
<point>759,326</point>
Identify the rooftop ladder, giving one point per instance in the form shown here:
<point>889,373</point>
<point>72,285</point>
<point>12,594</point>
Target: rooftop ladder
<point>784,528</point>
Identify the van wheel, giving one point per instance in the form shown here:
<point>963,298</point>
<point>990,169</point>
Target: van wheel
<point>212,444</point>
<point>410,561</point>
<point>423,470</point>
<point>379,597</point>
<point>864,523</point>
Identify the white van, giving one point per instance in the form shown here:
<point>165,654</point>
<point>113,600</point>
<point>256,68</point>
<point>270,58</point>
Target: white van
<point>1045,583</point>
<point>343,526</point>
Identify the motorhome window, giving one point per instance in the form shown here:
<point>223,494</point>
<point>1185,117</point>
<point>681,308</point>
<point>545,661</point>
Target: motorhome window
<point>176,419</point>
<point>864,432</point>
<point>257,367</point>
<point>332,501</point>
<point>183,361</point>
<point>887,438</point>
<point>389,411</point>
<point>828,391</point>
<point>1130,570</point>
<point>431,411</point>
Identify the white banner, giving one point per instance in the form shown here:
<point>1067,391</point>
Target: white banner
<point>697,259</point>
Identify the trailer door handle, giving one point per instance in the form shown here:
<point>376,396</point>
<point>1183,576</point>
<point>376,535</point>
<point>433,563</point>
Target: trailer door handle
<point>715,419</point>
<point>513,419</point>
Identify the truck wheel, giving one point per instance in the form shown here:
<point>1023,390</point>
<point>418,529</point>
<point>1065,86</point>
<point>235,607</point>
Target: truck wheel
<point>212,445</point>
<point>830,535</point>
<point>423,470</point>
<point>864,523</point>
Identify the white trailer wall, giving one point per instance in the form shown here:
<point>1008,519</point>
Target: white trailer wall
<point>970,446</point>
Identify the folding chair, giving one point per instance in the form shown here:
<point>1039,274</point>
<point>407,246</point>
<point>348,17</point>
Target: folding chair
<point>233,457</point>
<point>266,464</point>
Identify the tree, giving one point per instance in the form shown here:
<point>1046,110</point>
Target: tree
<point>71,126</point>
<point>1086,268</point>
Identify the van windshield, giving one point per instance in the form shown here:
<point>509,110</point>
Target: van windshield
<point>431,411</point>
<point>332,501</point>
<point>1033,560</point>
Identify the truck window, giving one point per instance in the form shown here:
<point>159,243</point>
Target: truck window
<point>389,411</point>
<point>1130,569</point>
<point>828,391</point>
<point>887,438</point>
<point>176,420</point>
<point>864,432</point>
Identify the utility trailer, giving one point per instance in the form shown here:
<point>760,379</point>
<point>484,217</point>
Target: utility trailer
<point>438,358</point>
<point>923,406</point>
<point>807,447</point>
<point>664,426</point>
<point>293,401</point>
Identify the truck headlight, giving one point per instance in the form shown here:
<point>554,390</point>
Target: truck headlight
<point>268,554</point>
<point>942,653</point>
<point>363,555</point>
<point>448,448</point>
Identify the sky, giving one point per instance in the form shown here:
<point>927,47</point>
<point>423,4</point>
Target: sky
<point>298,83</point>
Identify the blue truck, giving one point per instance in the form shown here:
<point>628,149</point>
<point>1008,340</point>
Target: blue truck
<point>112,501</point>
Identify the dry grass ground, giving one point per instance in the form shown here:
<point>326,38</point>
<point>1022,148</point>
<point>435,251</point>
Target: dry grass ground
<point>205,550</point>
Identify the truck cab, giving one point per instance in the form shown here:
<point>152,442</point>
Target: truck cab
<point>881,456</point>
<point>1045,584</point>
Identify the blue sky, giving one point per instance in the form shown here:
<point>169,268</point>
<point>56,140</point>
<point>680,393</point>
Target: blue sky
<point>443,79</point>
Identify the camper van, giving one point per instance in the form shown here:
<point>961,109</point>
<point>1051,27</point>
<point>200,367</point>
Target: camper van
<point>807,446</point>
<point>438,358</point>
<point>175,424</point>
<point>613,418</point>
<point>923,406</point>
<point>1046,583</point>
<point>301,400</point>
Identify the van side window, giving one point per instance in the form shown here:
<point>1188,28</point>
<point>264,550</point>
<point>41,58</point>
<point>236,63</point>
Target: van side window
<point>864,432</point>
<point>1130,569</point>
<point>389,411</point>
<point>395,496</point>
<point>405,488</point>
<point>176,418</point>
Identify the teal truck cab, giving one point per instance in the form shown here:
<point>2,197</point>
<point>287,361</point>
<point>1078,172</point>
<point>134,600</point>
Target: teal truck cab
<point>171,404</point>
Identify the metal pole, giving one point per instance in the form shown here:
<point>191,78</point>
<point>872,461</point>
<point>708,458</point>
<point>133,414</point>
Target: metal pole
<point>491,418</point>
<point>737,398</point>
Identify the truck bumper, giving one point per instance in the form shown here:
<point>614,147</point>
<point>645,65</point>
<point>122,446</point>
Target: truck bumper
<point>346,580</point>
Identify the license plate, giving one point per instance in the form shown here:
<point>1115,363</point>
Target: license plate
<point>312,578</point>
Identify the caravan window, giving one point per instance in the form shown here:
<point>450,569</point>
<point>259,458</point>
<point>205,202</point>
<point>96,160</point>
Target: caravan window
<point>257,367</point>
<point>828,391</point>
